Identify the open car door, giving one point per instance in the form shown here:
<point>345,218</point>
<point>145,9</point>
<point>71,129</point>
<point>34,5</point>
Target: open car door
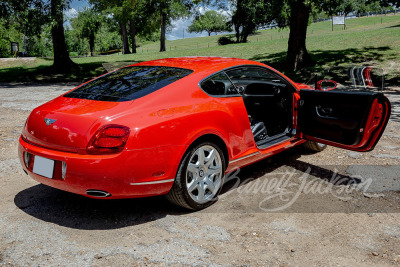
<point>349,120</point>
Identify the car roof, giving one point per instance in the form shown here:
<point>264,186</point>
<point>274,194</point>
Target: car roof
<point>199,64</point>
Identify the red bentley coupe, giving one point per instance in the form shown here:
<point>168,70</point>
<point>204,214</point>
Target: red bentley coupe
<point>176,126</point>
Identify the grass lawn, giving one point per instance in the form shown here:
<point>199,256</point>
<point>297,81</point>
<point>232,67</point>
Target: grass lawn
<point>366,41</point>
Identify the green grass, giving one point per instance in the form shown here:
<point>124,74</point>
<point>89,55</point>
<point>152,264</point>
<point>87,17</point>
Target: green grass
<point>366,41</point>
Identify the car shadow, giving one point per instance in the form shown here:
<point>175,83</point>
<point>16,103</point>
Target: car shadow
<point>78,212</point>
<point>289,159</point>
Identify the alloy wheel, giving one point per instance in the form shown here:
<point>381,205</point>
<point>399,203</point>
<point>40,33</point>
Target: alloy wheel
<point>204,174</point>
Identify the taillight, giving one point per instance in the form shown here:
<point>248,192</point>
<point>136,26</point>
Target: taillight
<point>108,140</point>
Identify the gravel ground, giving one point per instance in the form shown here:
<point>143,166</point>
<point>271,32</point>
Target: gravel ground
<point>332,208</point>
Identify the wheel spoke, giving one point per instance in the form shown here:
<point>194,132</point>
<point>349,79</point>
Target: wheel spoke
<point>192,186</point>
<point>201,155</point>
<point>210,185</point>
<point>211,157</point>
<point>193,168</point>
<point>201,189</point>
<point>214,171</point>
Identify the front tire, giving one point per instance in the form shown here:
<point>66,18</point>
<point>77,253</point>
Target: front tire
<point>199,178</point>
<point>314,146</point>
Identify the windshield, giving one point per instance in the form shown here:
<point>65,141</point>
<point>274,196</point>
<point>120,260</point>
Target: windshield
<point>129,83</point>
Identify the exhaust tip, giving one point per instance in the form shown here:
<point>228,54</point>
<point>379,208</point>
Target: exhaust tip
<point>97,193</point>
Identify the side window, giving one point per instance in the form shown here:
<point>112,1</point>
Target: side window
<point>218,85</point>
<point>244,76</point>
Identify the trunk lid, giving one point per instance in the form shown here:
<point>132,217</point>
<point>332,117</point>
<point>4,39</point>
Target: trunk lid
<point>68,124</point>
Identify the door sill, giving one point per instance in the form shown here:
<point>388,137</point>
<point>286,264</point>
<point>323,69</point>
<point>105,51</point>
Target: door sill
<point>273,140</point>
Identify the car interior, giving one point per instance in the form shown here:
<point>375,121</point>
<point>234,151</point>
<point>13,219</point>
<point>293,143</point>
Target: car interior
<point>267,98</point>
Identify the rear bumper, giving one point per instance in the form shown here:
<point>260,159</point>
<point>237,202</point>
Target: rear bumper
<point>129,174</point>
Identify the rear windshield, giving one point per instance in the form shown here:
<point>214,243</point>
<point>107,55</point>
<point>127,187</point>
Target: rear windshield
<point>129,83</point>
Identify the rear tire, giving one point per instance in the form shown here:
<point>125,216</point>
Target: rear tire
<point>314,146</point>
<point>199,178</point>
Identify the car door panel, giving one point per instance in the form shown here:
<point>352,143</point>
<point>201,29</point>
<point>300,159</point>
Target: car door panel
<point>351,120</point>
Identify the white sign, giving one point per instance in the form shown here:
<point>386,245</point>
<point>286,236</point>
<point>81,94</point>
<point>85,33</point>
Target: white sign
<point>338,20</point>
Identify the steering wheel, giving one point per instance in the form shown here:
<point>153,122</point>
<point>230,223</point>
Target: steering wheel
<point>233,89</point>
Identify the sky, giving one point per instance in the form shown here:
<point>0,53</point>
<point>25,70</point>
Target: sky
<point>178,29</point>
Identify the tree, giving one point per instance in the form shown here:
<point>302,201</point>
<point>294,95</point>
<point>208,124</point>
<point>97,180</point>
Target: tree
<point>8,33</point>
<point>141,20</point>
<point>346,6</point>
<point>88,23</point>
<point>33,14</point>
<point>210,21</point>
<point>167,11</point>
<point>119,11</point>
<point>62,63</point>
<point>395,3</point>
<point>134,17</point>
<point>247,16</point>
<point>295,14</point>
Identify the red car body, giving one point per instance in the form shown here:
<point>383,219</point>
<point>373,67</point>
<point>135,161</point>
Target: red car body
<point>162,126</point>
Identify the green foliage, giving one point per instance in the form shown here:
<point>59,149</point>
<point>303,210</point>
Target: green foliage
<point>210,21</point>
<point>247,16</point>
<point>173,9</point>
<point>366,41</point>
<point>86,25</point>
<point>77,45</point>
<point>40,45</point>
<point>138,17</point>
<point>341,7</point>
<point>107,38</point>
<point>395,3</point>
<point>9,33</point>
<point>380,47</point>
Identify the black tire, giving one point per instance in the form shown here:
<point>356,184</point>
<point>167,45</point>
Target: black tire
<point>314,146</point>
<point>179,193</point>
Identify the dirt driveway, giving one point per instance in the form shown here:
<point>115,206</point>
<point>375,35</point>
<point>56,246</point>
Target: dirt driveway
<point>333,208</point>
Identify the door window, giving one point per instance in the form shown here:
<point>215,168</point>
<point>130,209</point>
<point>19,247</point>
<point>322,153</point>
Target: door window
<point>219,85</point>
<point>244,76</point>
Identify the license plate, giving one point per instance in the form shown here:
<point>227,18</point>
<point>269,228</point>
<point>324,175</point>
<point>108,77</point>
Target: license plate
<point>43,166</point>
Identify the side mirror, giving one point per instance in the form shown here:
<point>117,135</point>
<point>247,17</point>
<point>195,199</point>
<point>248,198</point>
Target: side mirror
<point>326,85</point>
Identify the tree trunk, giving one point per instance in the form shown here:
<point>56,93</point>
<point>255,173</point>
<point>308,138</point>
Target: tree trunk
<point>62,62</point>
<point>124,38</point>
<point>244,35</point>
<point>209,33</point>
<point>237,33</point>
<point>132,31</point>
<point>163,18</point>
<point>297,55</point>
<point>91,43</point>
